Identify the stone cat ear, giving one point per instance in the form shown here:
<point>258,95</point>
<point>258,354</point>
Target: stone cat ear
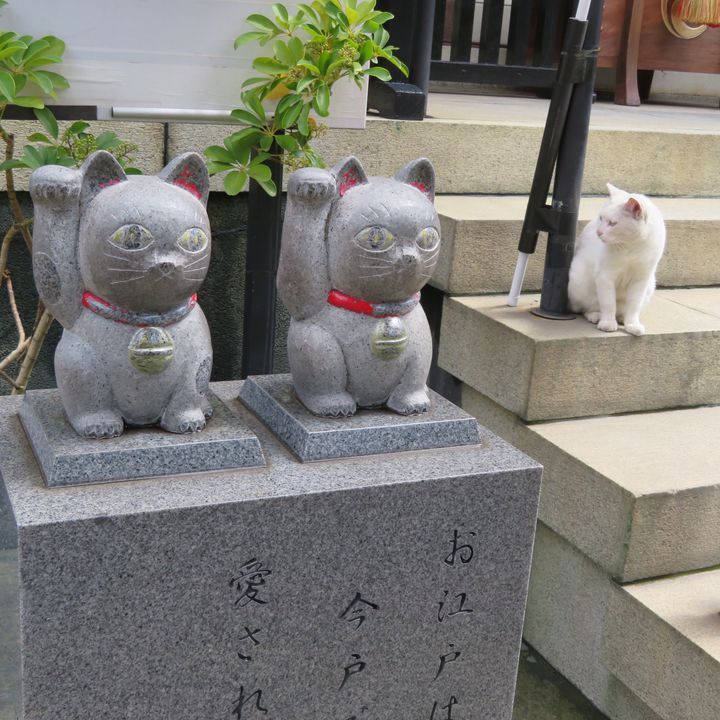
<point>189,172</point>
<point>634,207</point>
<point>348,173</point>
<point>99,171</point>
<point>421,175</point>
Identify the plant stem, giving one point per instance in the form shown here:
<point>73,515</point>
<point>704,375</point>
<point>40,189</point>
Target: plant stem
<point>9,140</point>
<point>29,360</point>
<point>5,251</point>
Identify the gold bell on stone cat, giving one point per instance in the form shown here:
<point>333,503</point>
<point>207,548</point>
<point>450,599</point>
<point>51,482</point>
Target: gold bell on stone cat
<point>389,339</point>
<point>151,350</point>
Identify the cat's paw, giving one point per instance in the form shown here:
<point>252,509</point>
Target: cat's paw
<point>340,404</point>
<point>593,317</point>
<point>103,424</point>
<point>190,420</point>
<point>409,403</point>
<point>313,184</point>
<point>608,325</point>
<point>55,184</point>
<point>635,328</point>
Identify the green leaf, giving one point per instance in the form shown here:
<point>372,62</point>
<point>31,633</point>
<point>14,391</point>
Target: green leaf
<point>260,173</point>
<point>32,157</point>
<point>7,85</point>
<point>322,100</point>
<point>259,158</point>
<point>314,69</point>
<point>234,182</point>
<point>216,153</point>
<point>108,141</point>
<point>283,53</point>
<point>309,12</point>
<point>380,73</point>
<point>255,81</point>
<point>302,122</point>
<point>12,165</point>
<point>287,142</point>
<point>269,66</point>
<point>251,100</point>
<point>10,50</point>
<point>281,13</point>
<point>48,121</point>
<point>39,137</point>
<point>238,149</point>
<point>304,83</point>
<point>266,142</point>
<point>262,23</point>
<point>366,52</point>
<point>248,118</point>
<point>34,49</point>
<point>41,60</point>
<point>217,167</point>
<point>78,127</point>
<point>249,37</point>
<point>268,186</point>
<point>380,17</point>
<point>29,102</point>
<point>289,116</point>
<point>297,49</point>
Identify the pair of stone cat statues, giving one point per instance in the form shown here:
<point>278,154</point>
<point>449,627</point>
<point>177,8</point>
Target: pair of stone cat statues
<point>119,260</point>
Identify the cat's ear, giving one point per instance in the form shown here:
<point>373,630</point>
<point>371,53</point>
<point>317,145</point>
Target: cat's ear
<point>634,208</point>
<point>421,175</point>
<point>99,171</point>
<point>348,174</point>
<point>614,191</point>
<point>189,172</point>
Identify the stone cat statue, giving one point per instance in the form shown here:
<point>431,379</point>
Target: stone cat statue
<point>118,260</point>
<point>355,253</point>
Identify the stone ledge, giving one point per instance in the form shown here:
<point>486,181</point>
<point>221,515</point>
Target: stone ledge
<point>149,137</point>
<point>480,237</point>
<point>663,641</point>
<point>638,494</point>
<point>566,623</point>
<point>544,370</point>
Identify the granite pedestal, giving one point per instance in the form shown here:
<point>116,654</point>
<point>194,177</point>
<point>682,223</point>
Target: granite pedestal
<point>273,400</point>
<point>389,587</point>
<point>65,458</point>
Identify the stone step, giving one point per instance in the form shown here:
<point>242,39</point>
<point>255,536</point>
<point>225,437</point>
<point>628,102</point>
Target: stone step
<point>638,494</point>
<point>566,623</point>
<point>662,640</point>
<point>480,236</point>
<point>545,370</point>
<point>483,144</point>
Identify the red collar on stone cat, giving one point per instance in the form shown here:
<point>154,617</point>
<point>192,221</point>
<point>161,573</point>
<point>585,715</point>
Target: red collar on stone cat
<point>377,310</point>
<point>130,317</point>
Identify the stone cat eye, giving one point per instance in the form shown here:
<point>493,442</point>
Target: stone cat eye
<point>193,240</point>
<point>375,238</point>
<point>131,237</point>
<point>428,239</point>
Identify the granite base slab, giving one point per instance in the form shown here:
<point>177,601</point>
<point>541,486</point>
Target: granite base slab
<point>368,432</point>
<point>65,458</point>
<point>390,586</point>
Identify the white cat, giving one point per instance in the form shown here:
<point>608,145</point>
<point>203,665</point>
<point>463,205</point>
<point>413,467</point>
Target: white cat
<point>612,274</point>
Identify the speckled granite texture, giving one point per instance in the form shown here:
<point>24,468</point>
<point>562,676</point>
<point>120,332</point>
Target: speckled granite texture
<point>390,586</point>
<point>273,400</point>
<point>65,458</point>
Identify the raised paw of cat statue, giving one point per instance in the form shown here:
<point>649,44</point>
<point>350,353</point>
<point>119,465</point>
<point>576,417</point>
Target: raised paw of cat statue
<point>355,253</point>
<point>118,260</point>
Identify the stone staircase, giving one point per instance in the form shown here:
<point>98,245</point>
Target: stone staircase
<point>625,591</point>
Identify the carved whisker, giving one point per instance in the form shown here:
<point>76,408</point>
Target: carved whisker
<point>118,257</point>
<point>195,262</point>
<point>376,275</point>
<point>130,270</point>
<point>125,280</point>
<point>370,267</point>
<point>431,257</point>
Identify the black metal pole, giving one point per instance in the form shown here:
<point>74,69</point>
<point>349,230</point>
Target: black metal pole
<point>419,70</point>
<point>562,94</point>
<point>568,181</point>
<point>261,261</point>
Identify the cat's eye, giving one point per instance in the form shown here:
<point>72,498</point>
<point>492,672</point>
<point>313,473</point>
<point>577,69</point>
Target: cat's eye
<point>193,240</point>
<point>375,237</point>
<point>131,237</point>
<point>428,239</point>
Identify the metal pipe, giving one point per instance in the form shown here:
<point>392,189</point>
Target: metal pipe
<point>170,114</point>
<point>568,183</point>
